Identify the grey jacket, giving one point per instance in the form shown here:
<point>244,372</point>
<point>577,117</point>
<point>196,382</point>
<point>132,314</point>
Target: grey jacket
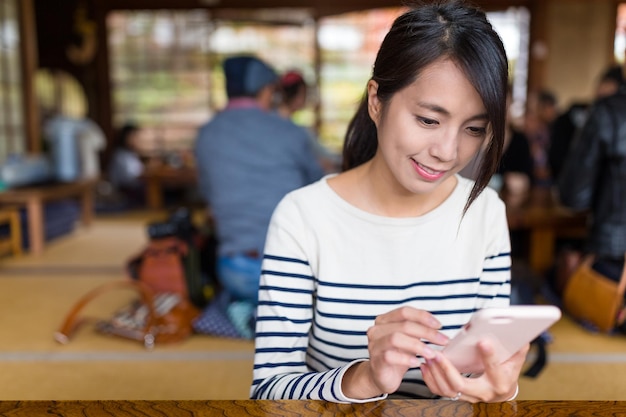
<point>594,176</point>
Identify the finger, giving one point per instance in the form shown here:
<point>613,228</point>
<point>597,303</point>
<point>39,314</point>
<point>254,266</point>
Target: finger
<point>398,339</point>
<point>502,377</point>
<point>409,314</point>
<point>488,355</point>
<point>414,329</point>
<point>445,375</point>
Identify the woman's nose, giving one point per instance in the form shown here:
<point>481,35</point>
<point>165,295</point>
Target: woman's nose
<point>445,146</point>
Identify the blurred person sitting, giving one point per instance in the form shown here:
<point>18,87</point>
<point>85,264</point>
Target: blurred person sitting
<point>248,157</point>
<point>292,97</point>
<point>126,167</point>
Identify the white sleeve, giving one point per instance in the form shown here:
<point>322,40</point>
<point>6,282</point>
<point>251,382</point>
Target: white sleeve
<point>284,318</point>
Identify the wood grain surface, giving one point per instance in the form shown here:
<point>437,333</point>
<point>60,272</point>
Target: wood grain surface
<point>295,408</point>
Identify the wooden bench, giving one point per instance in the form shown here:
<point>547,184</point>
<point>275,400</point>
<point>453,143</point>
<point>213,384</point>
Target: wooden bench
<point>12,243</point>
<point>33,199</point>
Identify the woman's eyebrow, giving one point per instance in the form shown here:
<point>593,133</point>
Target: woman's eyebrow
<point>438,109</point>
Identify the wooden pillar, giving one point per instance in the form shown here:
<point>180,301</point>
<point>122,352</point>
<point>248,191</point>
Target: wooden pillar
<point>538,45</point>
<point>103,114</point>
<point>28,46</point>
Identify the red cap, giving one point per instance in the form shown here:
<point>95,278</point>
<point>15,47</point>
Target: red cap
<point>291,78</point>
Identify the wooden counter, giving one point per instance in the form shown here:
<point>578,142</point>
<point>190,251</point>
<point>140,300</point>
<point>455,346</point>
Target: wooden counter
<point>295,408</point>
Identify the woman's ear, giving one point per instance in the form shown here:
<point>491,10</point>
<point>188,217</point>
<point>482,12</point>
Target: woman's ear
<point>374,106</point>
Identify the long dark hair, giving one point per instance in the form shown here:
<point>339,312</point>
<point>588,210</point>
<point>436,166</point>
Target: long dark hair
<point>424,34</point>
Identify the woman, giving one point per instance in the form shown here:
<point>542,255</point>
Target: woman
<point>367,274</point>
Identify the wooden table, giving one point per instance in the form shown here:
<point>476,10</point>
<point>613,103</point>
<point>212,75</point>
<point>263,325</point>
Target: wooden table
<point>35,197</point>
<point>159,175</point>
<point>295,408</point>
<point>12,243</point>
<point>546,220</point>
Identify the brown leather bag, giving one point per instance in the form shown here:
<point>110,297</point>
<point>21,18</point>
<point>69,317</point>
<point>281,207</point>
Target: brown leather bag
<point>592,297</point>
<point>163,312</point>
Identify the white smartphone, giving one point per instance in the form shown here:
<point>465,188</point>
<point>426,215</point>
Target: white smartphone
<point>508,328</point>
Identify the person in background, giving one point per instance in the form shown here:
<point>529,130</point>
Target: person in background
<point>594,178</point>
<point>248,157</point>
<point>565,128</point>
<point>514,175</point>
<point>566,125</point>
<point>293,93</point>
<point>126,167</point>
<point>367,274</point>
<point>543,110</point>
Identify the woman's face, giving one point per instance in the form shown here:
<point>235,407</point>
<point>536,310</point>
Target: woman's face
<point>429,130</point>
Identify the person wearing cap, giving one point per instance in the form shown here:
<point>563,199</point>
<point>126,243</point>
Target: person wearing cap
<point>248,157</point>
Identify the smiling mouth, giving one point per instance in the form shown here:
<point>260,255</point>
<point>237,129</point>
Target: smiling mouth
<point>427,172</point>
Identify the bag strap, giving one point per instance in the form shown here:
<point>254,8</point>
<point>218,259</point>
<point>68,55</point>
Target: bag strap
<point>72,321</point>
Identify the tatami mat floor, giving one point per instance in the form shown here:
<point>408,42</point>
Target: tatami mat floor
<point>35,293</point>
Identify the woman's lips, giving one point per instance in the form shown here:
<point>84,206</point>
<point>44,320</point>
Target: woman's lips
<point>426,172</point>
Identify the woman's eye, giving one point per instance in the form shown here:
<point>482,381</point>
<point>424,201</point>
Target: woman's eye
<point>426,121</point>
<point>477,131</point>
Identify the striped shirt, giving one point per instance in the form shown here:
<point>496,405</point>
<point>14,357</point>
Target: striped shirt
<point>330,269</point>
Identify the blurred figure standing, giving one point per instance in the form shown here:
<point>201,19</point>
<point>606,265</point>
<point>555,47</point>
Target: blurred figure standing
<point>594,178</point>
<point>566,125</point>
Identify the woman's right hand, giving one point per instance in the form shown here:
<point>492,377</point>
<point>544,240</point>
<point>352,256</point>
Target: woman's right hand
<point>394,342</point>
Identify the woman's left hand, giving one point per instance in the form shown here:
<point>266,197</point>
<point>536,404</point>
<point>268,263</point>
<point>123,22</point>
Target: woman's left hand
<point>497,383</point>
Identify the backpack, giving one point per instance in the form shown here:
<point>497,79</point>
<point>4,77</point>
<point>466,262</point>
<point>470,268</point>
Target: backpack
<point>167,278</point>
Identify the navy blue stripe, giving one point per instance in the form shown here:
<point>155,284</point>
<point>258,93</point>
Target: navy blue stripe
<point>344,332</point>
<point>284,259</point>
<point>495,282</point>
<point>271,386</point>
<point>500,255</point>
<point>281,350</point>
<point>261,389</point>
<point>398,287</point>
<point>333,376</point>
<point>296,382</point>
<point>400,301</point>
<point>278,364</point>
<point>284,289</point>
<point>346,316</point>
<point>285,274</point>
<point>308,382</point>
<point>276,303</point>
<point>502,269</point>
<point>282,319</point>
<point>281,334</point>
